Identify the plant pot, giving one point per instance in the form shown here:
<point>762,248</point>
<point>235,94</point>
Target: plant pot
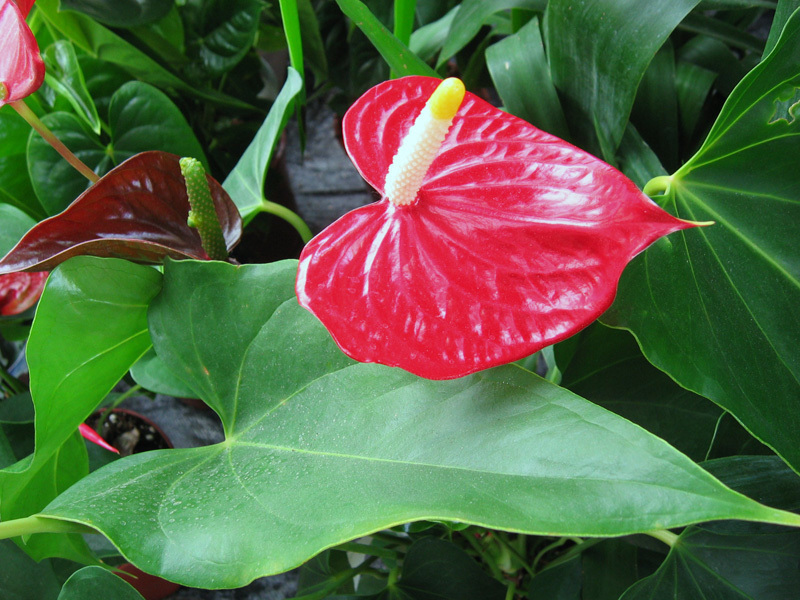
<point>129,432</point>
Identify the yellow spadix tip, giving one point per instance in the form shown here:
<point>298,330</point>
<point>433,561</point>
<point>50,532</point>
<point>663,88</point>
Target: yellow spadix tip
<point>446,98</point>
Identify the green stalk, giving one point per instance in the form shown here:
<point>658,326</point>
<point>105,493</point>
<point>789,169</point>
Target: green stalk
<point>289,216</point>
<point>34,524</point>
<point>404,11</point>
<point>42,129</point>
<point>662,535</point>
<point>294,39</point>
<point>11,382</point>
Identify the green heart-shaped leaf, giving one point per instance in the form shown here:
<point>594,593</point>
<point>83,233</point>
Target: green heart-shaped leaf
<point>598,74</point>
<point>141,118</point>
<point>120,13</point>
<point>320,449</point>
<point>96,582</point>
<point>718,310</point>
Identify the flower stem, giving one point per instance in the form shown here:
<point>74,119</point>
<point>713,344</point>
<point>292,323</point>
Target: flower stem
<point>289,216</point>
<point>34,524</point>
<point>42,129</point>
<point>665,536</point>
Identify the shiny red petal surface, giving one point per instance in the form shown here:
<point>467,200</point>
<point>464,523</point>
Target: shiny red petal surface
<point>25,6</point>
<point>21,65</point>
<point>137,211</point>
<point>517,241</point>
<point>20,291</point>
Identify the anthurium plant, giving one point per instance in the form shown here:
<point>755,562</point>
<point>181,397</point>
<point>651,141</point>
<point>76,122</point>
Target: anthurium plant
<point>555,359</point>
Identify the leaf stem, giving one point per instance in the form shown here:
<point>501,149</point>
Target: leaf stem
<point>12,382</point>
<point>42,129</point>
<point>557,544</point>
<point>469,535</point>
<point>34,524</point>
<point>289,216</point>
<point>658,186</point>
<point>665,536</point>
<point>500,537</point>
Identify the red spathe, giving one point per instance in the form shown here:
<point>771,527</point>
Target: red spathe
<point>517,241</point>
<point>21,65</point>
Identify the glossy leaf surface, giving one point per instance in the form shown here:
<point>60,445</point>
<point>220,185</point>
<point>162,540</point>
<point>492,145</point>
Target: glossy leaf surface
<point>137,211</point>
<point>15,224</point>
<point>320,450</point>
<point>121,13</point>
<point>516,241</point>
<point>717,309</point>
<point>220,32</point>
<point>65,76</point>
<point>609,369</point>
<point>394,52</point>
<point>140,118</point>
<point>102,43</point>
<point>598,74</point>
<point>22,578</point>
<point>21,65</point>
<point>245,183</point>
<point>738,562</point>
<point>15,183</point>
<point>517,65</point>
<point>472,15</point>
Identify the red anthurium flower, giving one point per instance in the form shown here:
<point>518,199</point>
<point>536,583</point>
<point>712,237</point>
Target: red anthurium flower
<point>94,437</point>
<point>21,65</point>
<point>509,240</point>
<point>20,291</point>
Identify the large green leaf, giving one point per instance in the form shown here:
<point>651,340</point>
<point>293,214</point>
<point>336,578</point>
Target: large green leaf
<point>71,372</point>
<point>518,65</point>
<point>21,578</point>
<point>320,450</point>
<point>394,52</point>
<point>472,15</point>
<point>709,562</point>
<point>735,560</point>
<point>598,52</point>
<point>15,183</point>
<point>96,582</point>
<point>120,13</point>
<point>608,368</point>
<point>220,32</point>
<point>29,485</point>
<point>245,183</point>
<point>716,307</point>
<point>141,118</point>
<point>65,76</point>
<point>438,570</point>
<point>55,181</point>
<point>15,224</point>
<point>102,43</point>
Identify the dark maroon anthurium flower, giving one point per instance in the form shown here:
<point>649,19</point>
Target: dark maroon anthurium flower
<point>20,291</point>
<point>509,240</point>
<point>137,211</point>
<point>21,65</point>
